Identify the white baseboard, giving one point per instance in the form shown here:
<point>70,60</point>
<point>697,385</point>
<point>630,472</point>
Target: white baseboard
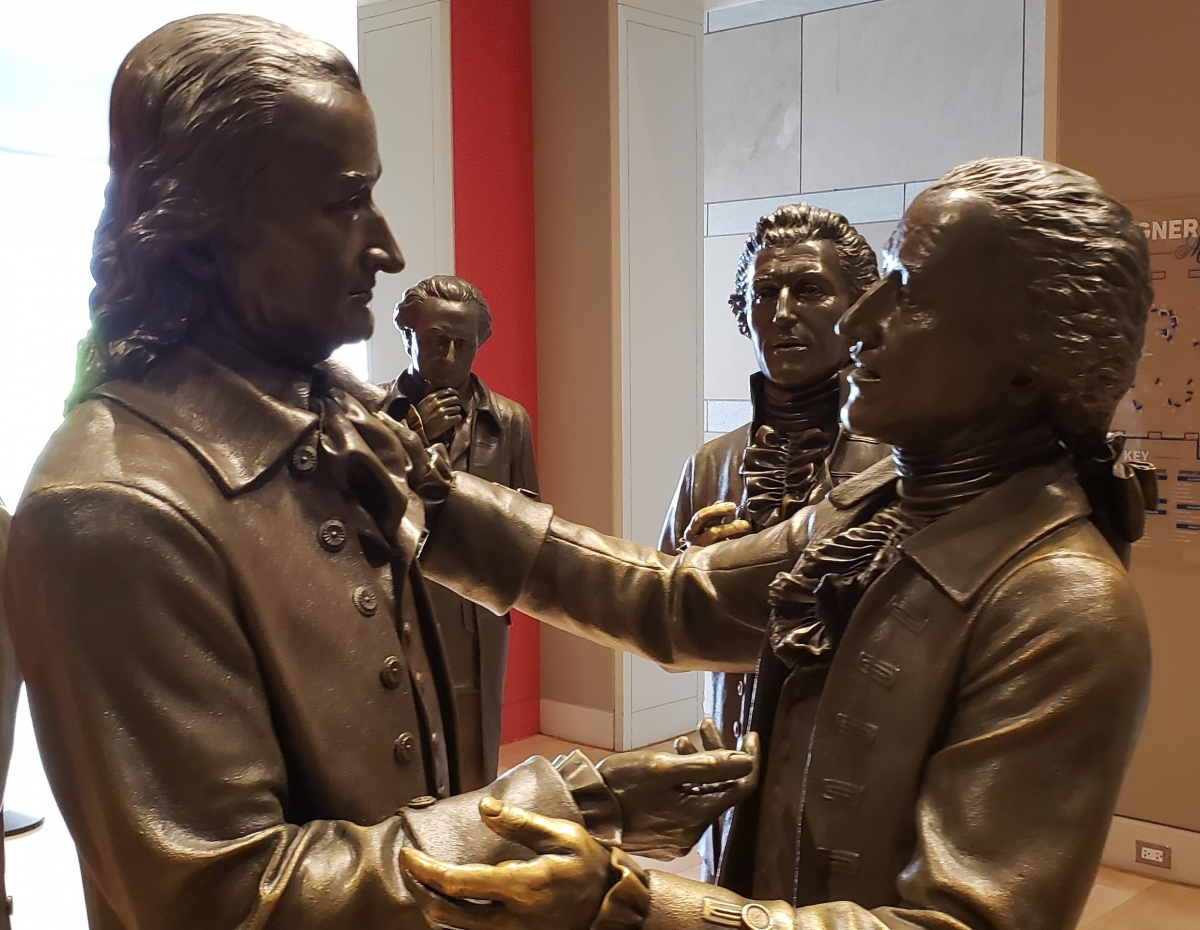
<point>1184,844</point>
<point>578,724</point>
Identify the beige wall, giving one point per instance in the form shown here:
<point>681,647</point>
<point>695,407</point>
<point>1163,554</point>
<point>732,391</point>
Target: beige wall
<point>1120,106</point>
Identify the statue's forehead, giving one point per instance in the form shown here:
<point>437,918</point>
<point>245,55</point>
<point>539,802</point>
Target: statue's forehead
<point>941,224</point>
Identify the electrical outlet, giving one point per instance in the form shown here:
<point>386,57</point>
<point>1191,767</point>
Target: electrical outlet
<point>1152,854</point>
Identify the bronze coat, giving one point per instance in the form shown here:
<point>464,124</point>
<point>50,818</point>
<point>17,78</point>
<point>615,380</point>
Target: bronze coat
<point>217,705</point>
<point>714,473</point>
<point>10,693</point>
<point>973,732</point>
<point>501,450</point>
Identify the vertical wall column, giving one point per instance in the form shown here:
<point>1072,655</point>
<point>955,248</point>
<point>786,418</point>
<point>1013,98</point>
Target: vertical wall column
<point>404,61</point>
<point>660,196</point>
<point>618,194</point>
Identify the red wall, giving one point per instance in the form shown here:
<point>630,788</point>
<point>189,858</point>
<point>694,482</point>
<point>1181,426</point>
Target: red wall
<point>492,92</point>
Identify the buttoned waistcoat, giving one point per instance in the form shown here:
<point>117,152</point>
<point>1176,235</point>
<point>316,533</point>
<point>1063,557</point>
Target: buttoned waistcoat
<point>974,728</point>
<point>226,664</point>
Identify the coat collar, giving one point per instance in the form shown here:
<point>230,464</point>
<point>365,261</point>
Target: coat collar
<point>239,416</point>
<point>963,550</point>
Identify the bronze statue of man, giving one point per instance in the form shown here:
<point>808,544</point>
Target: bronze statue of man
<point>239,690</point>
<point>953,661</point>
<point>10,694</point>
<point>444,321</point>
<point>801,269</point>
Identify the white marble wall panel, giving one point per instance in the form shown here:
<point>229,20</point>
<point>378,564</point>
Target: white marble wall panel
<point>1033,129</point>
<point>726,415</point>
<point>911,189</point>
<point>752,111</point>
<point>859,205</point>
<point>764,11</point>
<point>904,89</point>
<point>728,356</point>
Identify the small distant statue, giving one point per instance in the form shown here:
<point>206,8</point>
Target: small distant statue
<point>444,321</point>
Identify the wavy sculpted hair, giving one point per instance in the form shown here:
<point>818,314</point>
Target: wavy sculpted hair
<point>188,105</point>
<point>1086,283</point>
<point>450,289</point>
<point>802,222</point>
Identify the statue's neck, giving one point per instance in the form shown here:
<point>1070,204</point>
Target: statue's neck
<point>934,482</point>
<point>790,410</point>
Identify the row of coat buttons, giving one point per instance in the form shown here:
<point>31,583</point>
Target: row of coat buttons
<point>332,536</point>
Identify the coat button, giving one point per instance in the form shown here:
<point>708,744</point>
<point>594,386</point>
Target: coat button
<point>366,600</point>
<point>404,748</point>
<point>422,802</point>
<point>392,672</point>
<point>741,687</point>
<point>304,459</point>
<point>332,534</point>
<point>737,729</point>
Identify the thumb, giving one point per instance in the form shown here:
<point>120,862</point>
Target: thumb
<point>544,835</point>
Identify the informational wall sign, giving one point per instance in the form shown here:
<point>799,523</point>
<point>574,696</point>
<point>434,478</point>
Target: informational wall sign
<point>1161,415</point>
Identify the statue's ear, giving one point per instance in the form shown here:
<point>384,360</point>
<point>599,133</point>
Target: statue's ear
<point>1024,389</point>
<point>199,261</point>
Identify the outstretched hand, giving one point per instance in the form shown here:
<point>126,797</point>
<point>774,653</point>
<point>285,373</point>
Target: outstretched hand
<point>561,888</point>
<point>713,524</point>
<point>669,799</point>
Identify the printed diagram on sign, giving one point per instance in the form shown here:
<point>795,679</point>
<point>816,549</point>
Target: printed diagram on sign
<point>1161,414</point>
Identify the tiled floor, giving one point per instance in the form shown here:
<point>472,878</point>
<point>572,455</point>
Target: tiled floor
<point>1119,900</point>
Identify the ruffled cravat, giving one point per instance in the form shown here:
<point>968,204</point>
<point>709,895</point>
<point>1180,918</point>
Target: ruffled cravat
<point>781,467</point>
<point>811,605</point>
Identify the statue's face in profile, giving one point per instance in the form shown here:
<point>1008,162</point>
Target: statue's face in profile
<point>444,342</point>
<point>935,344</point>
<point>301,277</point>
<point>797,295</point>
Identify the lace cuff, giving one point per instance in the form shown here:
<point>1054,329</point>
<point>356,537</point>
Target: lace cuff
<point>628,901</point>
<point>596,802</point>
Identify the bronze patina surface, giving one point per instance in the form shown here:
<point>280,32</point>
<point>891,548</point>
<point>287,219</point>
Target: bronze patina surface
<point>241,696</point>
<point>954,663</point>
<point>800,271</point>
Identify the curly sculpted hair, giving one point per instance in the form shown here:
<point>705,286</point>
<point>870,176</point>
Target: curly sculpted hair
<point>802,222</point>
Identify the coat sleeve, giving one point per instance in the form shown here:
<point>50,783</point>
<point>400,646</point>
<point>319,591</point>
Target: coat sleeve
<point>1014,809</point>
<point>706,609</point>
<point>157,736</point>
<point>524,471</point>
<point>679,514</point>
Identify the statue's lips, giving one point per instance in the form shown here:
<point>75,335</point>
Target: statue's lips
<point>790,348</point>
<point>362,296</point>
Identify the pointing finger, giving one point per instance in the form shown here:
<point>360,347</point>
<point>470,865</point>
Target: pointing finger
<point>541,834</point>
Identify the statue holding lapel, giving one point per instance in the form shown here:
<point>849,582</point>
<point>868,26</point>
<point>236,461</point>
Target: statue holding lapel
<point>444,321</point>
